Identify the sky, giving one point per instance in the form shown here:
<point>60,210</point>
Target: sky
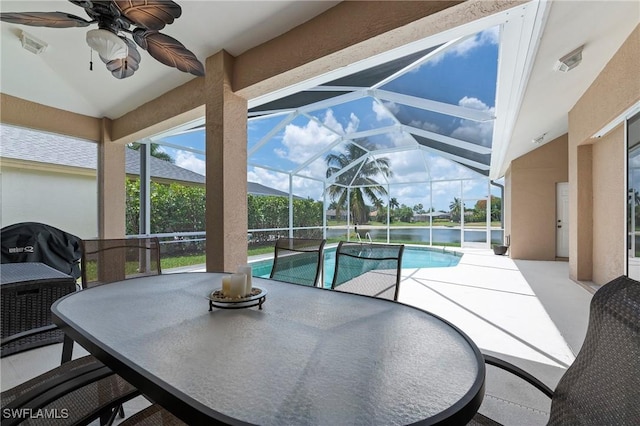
<point>464,75</point>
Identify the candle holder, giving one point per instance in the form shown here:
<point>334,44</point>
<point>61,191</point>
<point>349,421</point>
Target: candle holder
<point>219,300</point>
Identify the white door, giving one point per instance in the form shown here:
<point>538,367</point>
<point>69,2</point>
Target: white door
<point>562,219</point>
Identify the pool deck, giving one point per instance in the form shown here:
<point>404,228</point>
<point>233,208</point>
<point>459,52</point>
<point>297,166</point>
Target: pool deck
<point>527,312</point>
<point>491,299</point>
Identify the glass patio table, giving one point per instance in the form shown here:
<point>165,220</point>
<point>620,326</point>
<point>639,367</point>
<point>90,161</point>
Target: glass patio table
<point>309,356</point>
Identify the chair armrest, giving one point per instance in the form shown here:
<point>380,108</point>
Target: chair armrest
<point>27,333</point>
<point>517,371</point>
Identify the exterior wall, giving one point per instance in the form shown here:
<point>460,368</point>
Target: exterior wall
<point>531,200</point>
<point>608,206</point>
<point>597,184</point>
<point>31,115</point>
<point>66,201</point>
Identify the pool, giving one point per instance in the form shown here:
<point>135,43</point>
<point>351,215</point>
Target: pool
<point>413,257</point>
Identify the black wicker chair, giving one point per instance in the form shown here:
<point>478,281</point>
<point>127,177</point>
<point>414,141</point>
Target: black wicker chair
<point>369,269</point>
<point>298,260</point>
<point>109,260</point>
<point>602,386</point>
<point>154,415</point>
<point>76,393</point>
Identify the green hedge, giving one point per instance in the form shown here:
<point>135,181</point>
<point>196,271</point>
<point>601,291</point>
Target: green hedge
<point>179,208</point>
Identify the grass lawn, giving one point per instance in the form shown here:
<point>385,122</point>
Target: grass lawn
<point>181,261</point>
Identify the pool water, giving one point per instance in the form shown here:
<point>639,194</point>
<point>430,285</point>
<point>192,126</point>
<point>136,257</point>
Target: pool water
<point>413,257</point>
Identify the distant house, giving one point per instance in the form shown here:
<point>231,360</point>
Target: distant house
<point>43,169</point>
<point>331,215</point>
<point>438,215</point>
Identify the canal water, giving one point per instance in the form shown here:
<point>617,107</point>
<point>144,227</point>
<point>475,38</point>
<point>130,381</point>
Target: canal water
<point>421,235</point>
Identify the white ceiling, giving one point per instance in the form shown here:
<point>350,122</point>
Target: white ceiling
<point>60,76</point>
<point>602,27</point>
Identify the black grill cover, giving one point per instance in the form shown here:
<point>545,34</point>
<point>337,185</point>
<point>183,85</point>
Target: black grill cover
<point>37,242</point>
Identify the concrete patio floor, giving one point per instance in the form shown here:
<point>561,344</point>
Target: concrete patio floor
<point>526,312</point>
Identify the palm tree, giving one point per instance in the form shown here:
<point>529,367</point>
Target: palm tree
<point>365,176</point>
<point>155,151</point>
<point>393,203</point>
<point>455,208</point>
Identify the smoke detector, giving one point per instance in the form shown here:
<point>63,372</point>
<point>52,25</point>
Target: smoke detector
<point>32,43</point>
<point>539,139</point>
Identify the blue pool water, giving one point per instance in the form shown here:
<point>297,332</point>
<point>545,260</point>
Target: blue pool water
<point>413,257</point>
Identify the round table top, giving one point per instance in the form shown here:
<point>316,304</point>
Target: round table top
<point>309,356</point>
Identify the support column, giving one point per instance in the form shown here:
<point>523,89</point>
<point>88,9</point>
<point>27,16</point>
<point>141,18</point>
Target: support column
<point>584,215</point>
<point>111,185</point>
<point>226,169</point>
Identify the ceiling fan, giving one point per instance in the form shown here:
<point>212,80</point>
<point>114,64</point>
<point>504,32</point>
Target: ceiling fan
<point>114,19</point>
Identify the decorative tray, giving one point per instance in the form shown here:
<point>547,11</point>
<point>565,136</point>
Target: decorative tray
<point>256,298</point>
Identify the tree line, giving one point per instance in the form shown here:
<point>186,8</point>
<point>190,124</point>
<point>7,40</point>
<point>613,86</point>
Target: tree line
<point>181,208</point>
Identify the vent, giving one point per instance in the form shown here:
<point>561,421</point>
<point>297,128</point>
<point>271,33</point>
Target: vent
<point>32,44</point>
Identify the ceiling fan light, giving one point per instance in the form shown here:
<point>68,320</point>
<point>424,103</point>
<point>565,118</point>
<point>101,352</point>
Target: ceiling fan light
<point>107,44</point>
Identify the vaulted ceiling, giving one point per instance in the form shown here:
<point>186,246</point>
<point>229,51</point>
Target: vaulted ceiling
<point>532,99</point>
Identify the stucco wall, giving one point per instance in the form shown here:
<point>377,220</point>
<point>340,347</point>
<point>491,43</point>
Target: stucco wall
<point>66,201</point>
<point>597,184</point>
<point>608,206</point>
<point>531,199</point>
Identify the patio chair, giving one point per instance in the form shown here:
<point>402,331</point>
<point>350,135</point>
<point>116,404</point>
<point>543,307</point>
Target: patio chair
<point>369,269</point>
<point>75,393</point>
<point>602,386</point>
<point>109,260</point>
<point>154,415</point>
<point>298,260</point>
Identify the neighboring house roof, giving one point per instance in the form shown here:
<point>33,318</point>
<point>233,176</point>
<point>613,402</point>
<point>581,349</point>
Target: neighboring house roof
<point>47,148</point>
<point>161,169</point>
<point>28,145</point>
<point>259,189</point>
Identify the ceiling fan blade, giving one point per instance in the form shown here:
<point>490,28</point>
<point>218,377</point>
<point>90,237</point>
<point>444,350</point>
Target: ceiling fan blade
<point>45,19</point>
<point>168,50</point>
<point>150,14</point>
<point>123,68</point>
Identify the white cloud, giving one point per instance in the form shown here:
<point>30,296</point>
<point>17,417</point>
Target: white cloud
<point>476,131</point>
<point>473,103</point>
<point>299,143</point>
<point>189,161</point>
<point>385,110</point>
<point>305,188</point>
<point>486,37</point>
<point>424,125</point>
<point>268,178</point>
